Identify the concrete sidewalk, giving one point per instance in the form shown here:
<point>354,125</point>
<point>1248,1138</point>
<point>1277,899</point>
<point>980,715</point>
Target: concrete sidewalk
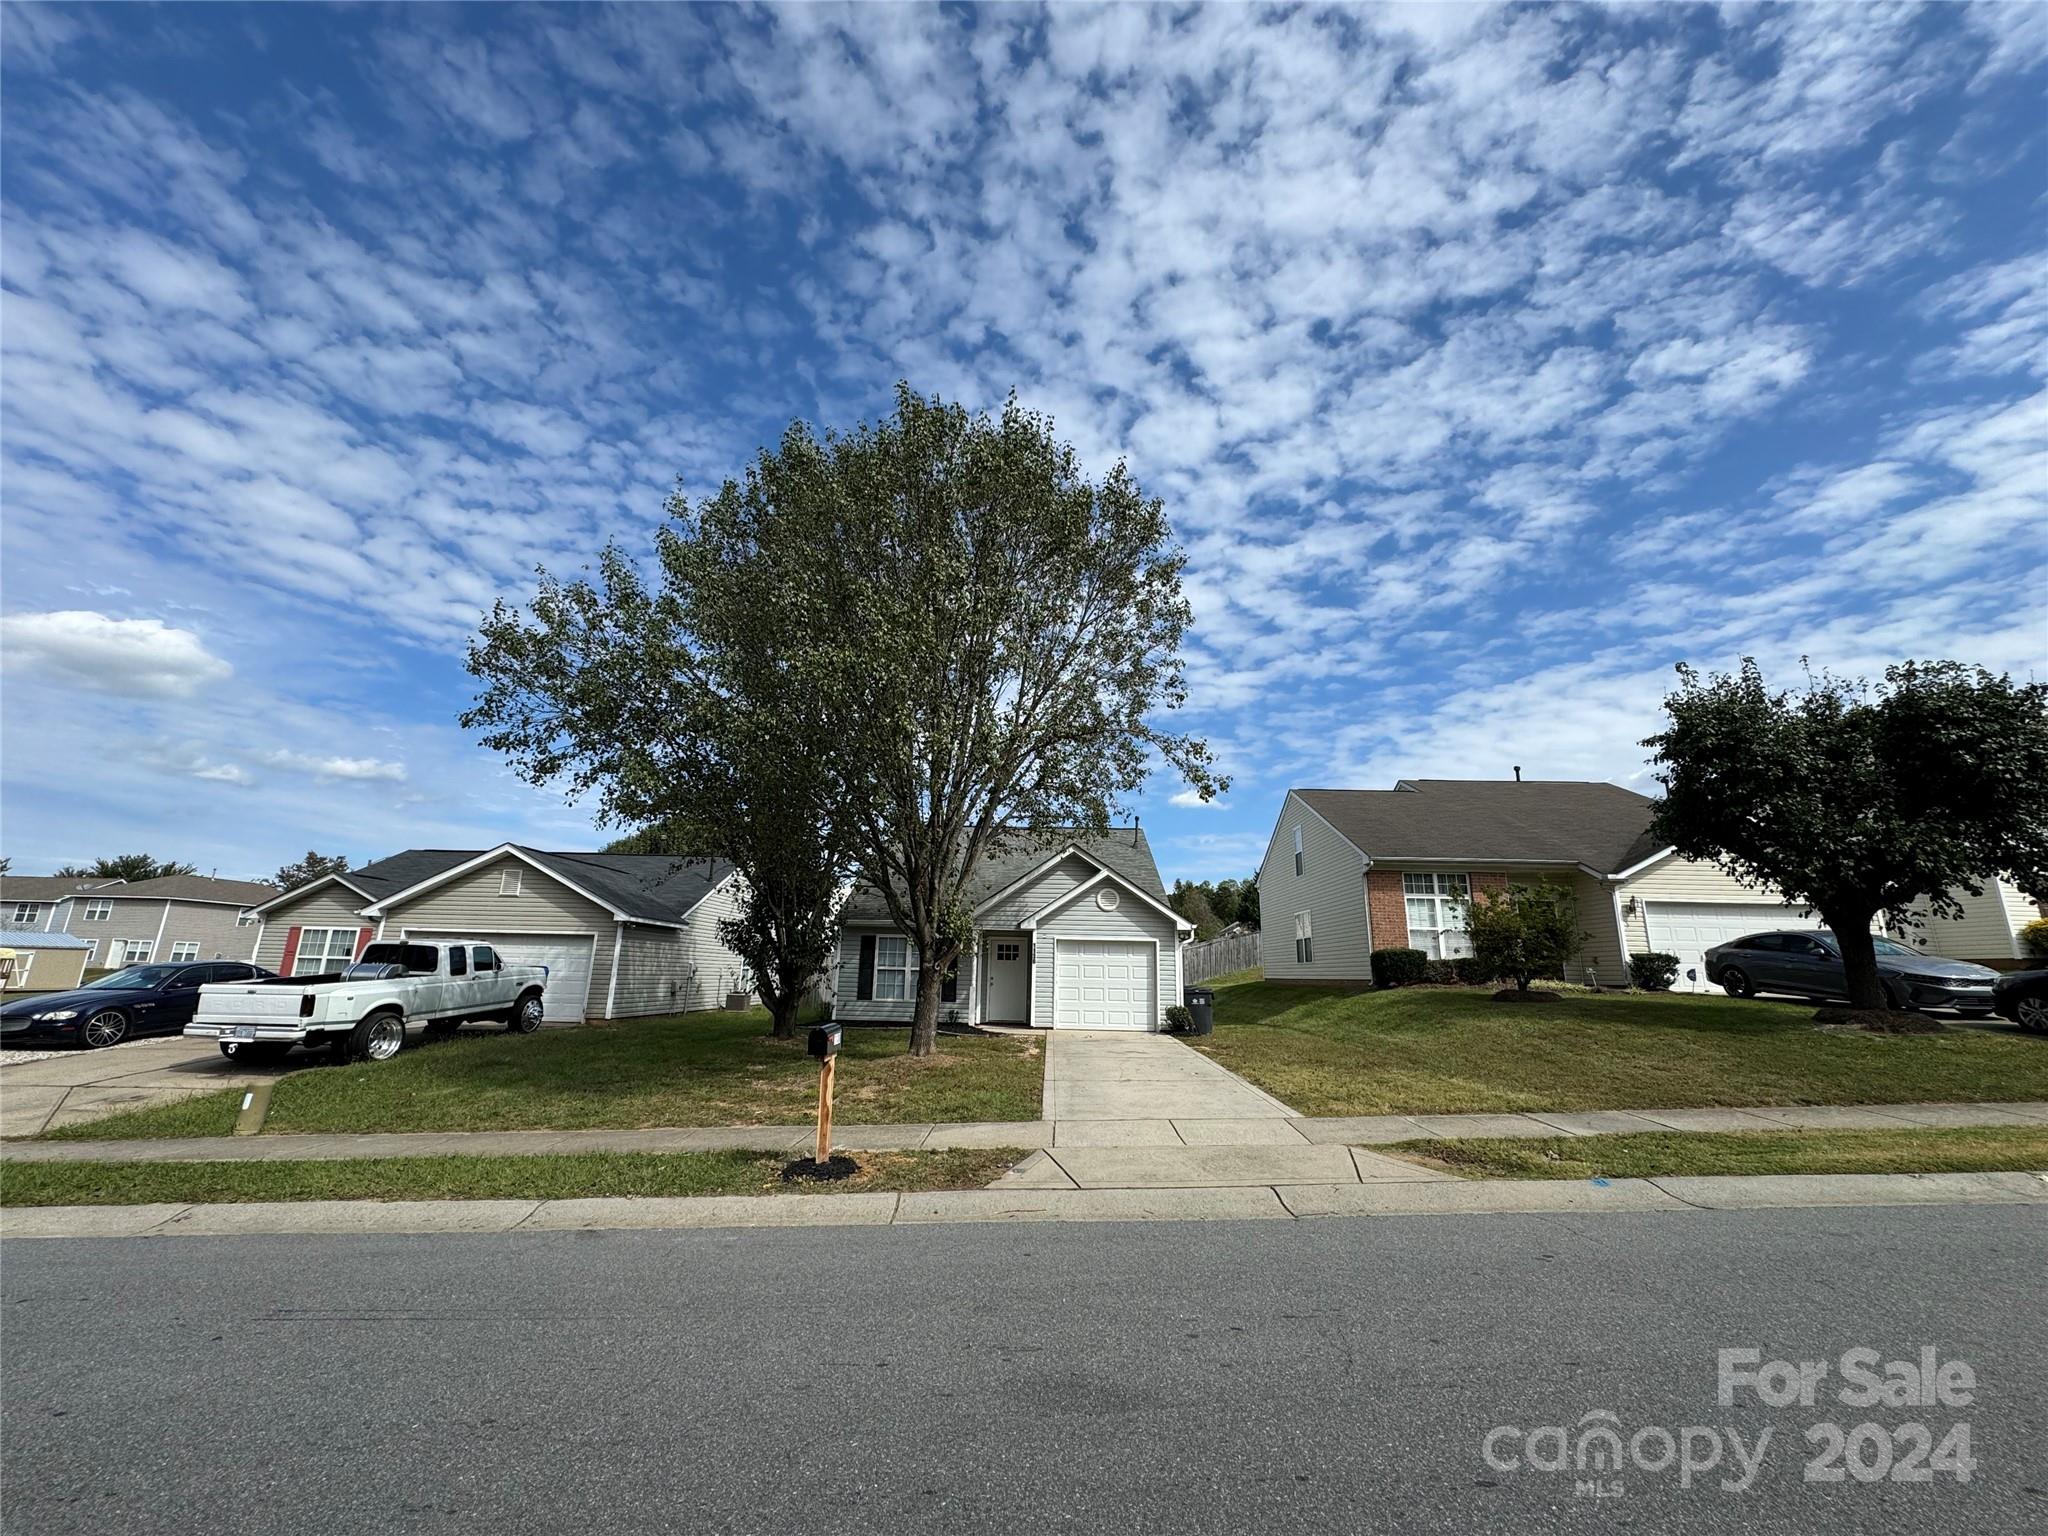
<point>1678,1197</point>
<point>1062,1137</point>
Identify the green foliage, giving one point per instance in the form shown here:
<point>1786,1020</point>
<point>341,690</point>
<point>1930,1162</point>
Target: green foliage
<point>1525,931</point>
<point>1398,967</point>
<point>1652,972</point>
<point>132,867</point>
<point>1179,1020</point>
<point>1858,800</point>
<point>1248,903</point>
<point>2034,938</point>
<point>1214,907</point>
<point>1473,971</point>
<point>313,866</point>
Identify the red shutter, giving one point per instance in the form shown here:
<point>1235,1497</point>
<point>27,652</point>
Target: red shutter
<point>291,950</point>
<point>363,941</point>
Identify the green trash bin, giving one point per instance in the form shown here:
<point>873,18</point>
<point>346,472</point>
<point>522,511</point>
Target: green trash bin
<point>1201,1002</point>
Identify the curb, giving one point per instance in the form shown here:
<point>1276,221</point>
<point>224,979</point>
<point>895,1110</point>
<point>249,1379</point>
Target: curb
<point>1677,1196</point>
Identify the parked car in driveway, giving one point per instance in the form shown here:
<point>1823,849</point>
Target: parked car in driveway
<point>122,1005</point>
<point>1804,962</point>
<point>2022,996</point>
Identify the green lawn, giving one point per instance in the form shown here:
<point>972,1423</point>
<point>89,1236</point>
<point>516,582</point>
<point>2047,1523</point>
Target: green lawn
<point>1442,1050</point>
<point>565,1177</point>
<point>698,1069</point>
<point>1976,1149</point>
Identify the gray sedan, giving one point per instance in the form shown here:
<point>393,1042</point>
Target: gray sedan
<point>1806,963</point>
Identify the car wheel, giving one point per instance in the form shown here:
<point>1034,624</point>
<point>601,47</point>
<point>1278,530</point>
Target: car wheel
<point>527,1015</point>
<point>1736,983</point>
<point>378,1038</point>
<point>2033,1014</point>
<point>104,1029</point>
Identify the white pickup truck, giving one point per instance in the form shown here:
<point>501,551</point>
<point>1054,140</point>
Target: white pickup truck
<point>364,1010</point>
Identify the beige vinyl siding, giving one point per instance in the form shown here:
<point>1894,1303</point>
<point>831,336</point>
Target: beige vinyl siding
<point>1330,888</point>
<point>210,926</point>
<point>129,920</point>
<point>332,906</point>
<point>471,904</point>
<point>1987,930</point>
<point>1602,949</point>
<point>1690,880</point>
<point>667,970</point>
<point>1081,918</point>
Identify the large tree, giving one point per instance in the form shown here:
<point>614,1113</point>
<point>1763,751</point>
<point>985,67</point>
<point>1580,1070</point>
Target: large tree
<point>127,866</point>
<point>1859,800</point>
<point>667,703</point>
<point>312,867</point>
<point>982,638</point>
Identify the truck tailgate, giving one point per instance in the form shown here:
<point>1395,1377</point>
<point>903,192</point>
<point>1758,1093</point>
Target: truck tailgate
<point>227,1003</point>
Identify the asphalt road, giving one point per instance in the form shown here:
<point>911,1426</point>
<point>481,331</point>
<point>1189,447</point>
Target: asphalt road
<point>1336,1375</point>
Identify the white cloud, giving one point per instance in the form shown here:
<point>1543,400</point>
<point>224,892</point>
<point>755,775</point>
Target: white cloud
<point>142,658</point>
<point>361,768</point>
<point>1188,799</point>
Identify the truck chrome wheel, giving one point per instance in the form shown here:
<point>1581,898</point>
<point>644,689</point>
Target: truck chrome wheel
<point>104,1029</point>
<point>387,1035</point>
<point>528,1018</point>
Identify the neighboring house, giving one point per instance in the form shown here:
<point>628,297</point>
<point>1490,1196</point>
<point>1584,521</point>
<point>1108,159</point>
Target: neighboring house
<point>126,922</point>
<point>1988,932</point>
<point>1349,871</point>
<point>1071,932</point>
<point>622,934</point>
<point>42,962</point>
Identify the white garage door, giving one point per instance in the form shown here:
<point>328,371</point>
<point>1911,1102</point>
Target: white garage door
<point>1103,984</point>
<point>1689,929</point>
<point>567,957</point>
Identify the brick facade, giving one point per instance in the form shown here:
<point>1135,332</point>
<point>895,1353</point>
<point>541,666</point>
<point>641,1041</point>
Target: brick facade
<point>1386,908</point>
<point>1487,880</point>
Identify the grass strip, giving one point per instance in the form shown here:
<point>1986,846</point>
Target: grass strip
<point>553,1177</point>
<point>1972,1149</point>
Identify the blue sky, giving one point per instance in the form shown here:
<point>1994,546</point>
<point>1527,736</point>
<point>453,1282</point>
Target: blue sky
<point>1489,362</point>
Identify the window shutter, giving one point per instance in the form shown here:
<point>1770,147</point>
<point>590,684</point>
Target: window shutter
<point>866,990</point>
<point>949,989</point>
<point>363,941</point>
<point>291,950</point>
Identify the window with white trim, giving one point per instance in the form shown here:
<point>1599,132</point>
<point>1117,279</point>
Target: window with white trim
<point>185,949</point>
<point>98,911</point>
<point>892,968</point>
<point>133,951</point>
<point>27,913</point>
<point>1304,940</point>
<point>1005,951</point>
<point>244,918</point>
<point>23,962</point>
<point>324,949</point>
<point>1435,915</point>
<point>1297,848</point>
<point>508,881</point>
<point>92,953</point>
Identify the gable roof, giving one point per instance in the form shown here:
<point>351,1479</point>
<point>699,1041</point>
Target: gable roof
<point>641,887</point>
<point>35,938</point>
<point>1532,821</point>
<point>1019,853</point>
<point>47,888</point>
<point>233,893</point>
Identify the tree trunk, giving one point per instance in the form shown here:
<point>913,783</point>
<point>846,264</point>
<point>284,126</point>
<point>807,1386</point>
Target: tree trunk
<point>924,1024</point>
<point>1859,957</point>
<point>782,1009</point>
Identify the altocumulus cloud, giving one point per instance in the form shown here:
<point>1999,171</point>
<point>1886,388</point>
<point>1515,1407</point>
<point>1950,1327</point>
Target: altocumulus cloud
<point>142,658</point>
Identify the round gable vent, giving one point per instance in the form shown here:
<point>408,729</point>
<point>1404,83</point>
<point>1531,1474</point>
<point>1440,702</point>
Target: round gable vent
<point>1106,898</point>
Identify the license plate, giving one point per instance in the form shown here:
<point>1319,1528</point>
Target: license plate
<point>239,1032</point>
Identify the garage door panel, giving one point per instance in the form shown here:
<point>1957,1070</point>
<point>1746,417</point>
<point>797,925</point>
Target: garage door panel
<point>1103,984</point>
<point>1688,929</point>
<point>570,961</point>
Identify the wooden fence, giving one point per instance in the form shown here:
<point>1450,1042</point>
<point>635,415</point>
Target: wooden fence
<point>1217,957</point>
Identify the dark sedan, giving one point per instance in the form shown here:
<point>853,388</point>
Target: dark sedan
<point>1805,963</point>
<point>122,1005</point>
<point>2022,996</point>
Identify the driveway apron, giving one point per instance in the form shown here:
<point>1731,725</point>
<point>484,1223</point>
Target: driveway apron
<point>1112,1078</point>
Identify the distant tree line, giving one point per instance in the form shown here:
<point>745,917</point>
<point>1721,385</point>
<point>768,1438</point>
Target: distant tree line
<point>1215,907</point>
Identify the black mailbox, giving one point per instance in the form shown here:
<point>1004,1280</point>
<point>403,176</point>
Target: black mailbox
<point>824,1041</point>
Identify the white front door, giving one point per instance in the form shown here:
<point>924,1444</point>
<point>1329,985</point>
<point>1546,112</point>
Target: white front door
<point>1688,929</point>
<point>1103,984</point>
<point>1006,985</point>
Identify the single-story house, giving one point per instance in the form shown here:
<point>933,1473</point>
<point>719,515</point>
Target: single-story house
<point>1349,871</point>
<point>128,922</point>
<point>622,934</point>
<point>1072,931</point>
<point>1988,932</point>
<point>35,961</point>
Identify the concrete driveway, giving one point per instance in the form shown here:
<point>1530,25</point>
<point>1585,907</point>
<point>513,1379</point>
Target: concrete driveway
<point>68,1086</point>
<point>1140,1087</point>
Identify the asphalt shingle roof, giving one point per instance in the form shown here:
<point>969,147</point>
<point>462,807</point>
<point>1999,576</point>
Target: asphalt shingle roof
<point>1123,850</point>
<point>239,893</point>
<point>54,887</point>
<point>653,887</point>
<point>1602,826</point>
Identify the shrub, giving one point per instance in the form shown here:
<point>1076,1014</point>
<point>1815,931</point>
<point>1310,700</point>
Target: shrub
<point>1440,973</point>
<point>1652,972</point>
<point>2034,938</point>
<point>1472,970</point>
<point>1178,1020</point>
<point>1525,931</point>
<point>1398,967</point>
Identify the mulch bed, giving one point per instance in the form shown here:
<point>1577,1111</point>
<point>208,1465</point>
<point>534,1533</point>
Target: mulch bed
<point>837,1166</point>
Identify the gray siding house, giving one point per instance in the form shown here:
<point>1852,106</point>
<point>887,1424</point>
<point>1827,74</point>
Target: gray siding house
<point>1348,871</point>
<point>622,934</point>
<point>174,917</point>
<point>1071,932</point>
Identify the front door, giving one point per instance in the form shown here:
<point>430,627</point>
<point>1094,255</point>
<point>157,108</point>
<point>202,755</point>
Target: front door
<point>1006,998</point>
